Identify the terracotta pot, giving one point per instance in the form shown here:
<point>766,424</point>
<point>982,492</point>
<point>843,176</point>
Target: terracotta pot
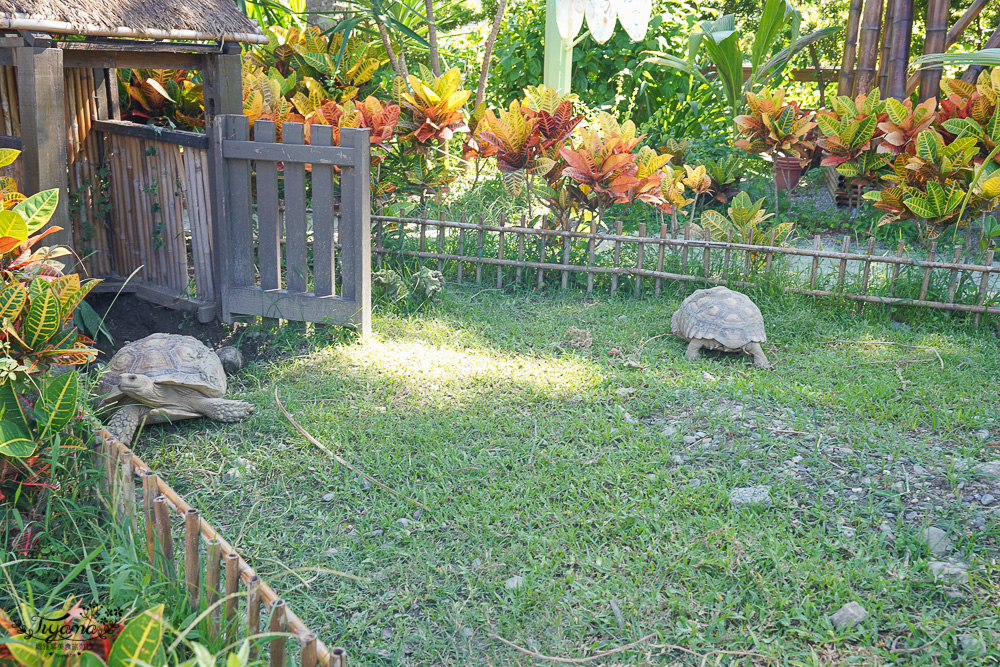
<point>787,172</point>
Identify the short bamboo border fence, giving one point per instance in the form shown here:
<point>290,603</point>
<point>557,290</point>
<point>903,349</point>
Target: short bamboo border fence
<point>513,249</point>
<point>224,566</point>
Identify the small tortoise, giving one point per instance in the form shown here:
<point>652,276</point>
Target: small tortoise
<point>721,319</point>
<point>164,378</point>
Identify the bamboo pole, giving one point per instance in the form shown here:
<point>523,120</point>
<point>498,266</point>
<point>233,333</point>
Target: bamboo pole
<point>379,231</point>
<point>843,264</point>
<point>706,258</point>
<point>148,491</point>
<point>937,30</point>
<point>953,281</point>
<point>953,35</point>
<point>192,558</point>
<point>461,246</point>
<point>15,110</point>
<point>591,251</point>
<point>686,235</point>
<point>972,72</point>
<point>899,58</point>
<point>308,655</point>
<point>338,657</point>
<point>984,282</point>
<point>846,79</point>
<point>565,255</point>
<point>440,240</point>
<point>660,249</point>
<point>817,242</point>
<point>617,257</point>
<point>479,254</point>
<point>214,554</point>
<point>503,223</point>
<point>895,267</point>
<point>540,280</point>
<point>867,57</point>
<point>253,611</point>
<point>161,515</point>
<point>885,49</point>
<point>770,255</point>
<point>231,590</point>
<point>127,495</point>
<point>640,260</point>
<point>278,624</point>
<point>520,250</point>
<point>725,257</point>
<point>927,272</point>
<point>868,266</point>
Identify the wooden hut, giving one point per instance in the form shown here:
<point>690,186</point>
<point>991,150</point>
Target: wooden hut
<point>133,198</point>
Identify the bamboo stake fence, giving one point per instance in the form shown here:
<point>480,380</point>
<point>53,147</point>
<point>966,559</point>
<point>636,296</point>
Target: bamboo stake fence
<point>737,266</point>
<point>221,571</point>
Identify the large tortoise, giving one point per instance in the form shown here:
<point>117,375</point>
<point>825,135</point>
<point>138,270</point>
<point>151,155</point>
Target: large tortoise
<point>164,378</point>
<point>721,319</point>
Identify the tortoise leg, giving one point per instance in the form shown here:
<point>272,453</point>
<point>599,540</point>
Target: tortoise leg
<point>759,360</point>
<point>125,422</point>
<point>222,409</point>
<point>693,348</point>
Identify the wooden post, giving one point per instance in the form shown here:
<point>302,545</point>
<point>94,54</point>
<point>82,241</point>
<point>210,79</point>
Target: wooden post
<point>846,79</point>
<point>126,497</point>
<point>617,257</point>
<point>223,94</point>
<point>937,29</point>
<point>479,251</point>
<point>565,254</point>
<point>278,624</point>
<point>871,27</point>
<point>541,254</point>
<point>895,266</point>
<point>440,239</point>
<point>984,282</point>
<point>706,262</point>
<point>253,612</point>
<point>953,281</point>
<point>843,264</point>
<point>520,250</point>
<point>192,559</point>
<point>868,265</point>
<point>338,657</point>
<point>356,226</point>
<point>770,255</point>
<point>41,107</point>
<point>461,249</point>
<point>817,244</point>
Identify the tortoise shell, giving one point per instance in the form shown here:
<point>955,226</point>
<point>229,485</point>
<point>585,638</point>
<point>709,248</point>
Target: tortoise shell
<point>167,359</point>
<point>721,315</point>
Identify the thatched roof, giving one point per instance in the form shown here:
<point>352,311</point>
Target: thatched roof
<point>154,19</point>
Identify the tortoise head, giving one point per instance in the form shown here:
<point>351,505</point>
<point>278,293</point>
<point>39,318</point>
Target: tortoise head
<point>143,389</point>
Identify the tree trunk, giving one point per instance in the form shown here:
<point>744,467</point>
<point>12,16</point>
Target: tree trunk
<point>490,41</point>
<point>387,44</point>
<point>899,59</point>
<point>963,22</point>
<point>972,73</point>
<point>937,30</point>
<point>846,80</point>
<point>432,38</point>
<point>886,47</point>
<point>871,24</point>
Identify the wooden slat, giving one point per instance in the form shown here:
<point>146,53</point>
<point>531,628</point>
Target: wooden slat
<point>500,237</point>
<point>814,271</point>
<point>150,133</point>
<point>843,264</point>
<point>288,153</point>
<point>564,281</point>
<point>591,249</point>
<point>296,249</point>
<point>268,222</point>
<point>239,222</point>
<point>640,259</point>
<point>298,306</point>
<point>324,262</point>
<point>617,257</point>
<point>868,266</point>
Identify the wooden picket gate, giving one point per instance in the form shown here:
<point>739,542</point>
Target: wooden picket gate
<point>277,177</point>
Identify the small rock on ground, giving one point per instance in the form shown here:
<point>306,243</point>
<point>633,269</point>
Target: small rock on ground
<point>750,496</point>
<point>949,573</point>
<point>987,499</point>
<point>936,540</point>
<point>849,615</point>
<point>515,583</point>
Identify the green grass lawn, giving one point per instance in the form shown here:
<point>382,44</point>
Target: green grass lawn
<point>599,472</point>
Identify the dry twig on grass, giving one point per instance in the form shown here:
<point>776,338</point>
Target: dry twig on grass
<point>889,361</point>
<point>340,460</point>
<point>886,342</point>
<point>918,649</point>
<point>572,661</point>
<point>705,656</point>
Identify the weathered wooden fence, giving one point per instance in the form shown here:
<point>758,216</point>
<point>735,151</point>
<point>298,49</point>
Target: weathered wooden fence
<point>528,253</point>
<point>304,286</point>
<point>214,580</point>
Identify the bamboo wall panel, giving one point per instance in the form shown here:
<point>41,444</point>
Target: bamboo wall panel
<point>10,120</point>
<point>741,264</point>
<point>161,214</point>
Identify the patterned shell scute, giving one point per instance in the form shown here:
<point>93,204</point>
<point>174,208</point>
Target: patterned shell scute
<point>719,314</point>
<point>168,359</point>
